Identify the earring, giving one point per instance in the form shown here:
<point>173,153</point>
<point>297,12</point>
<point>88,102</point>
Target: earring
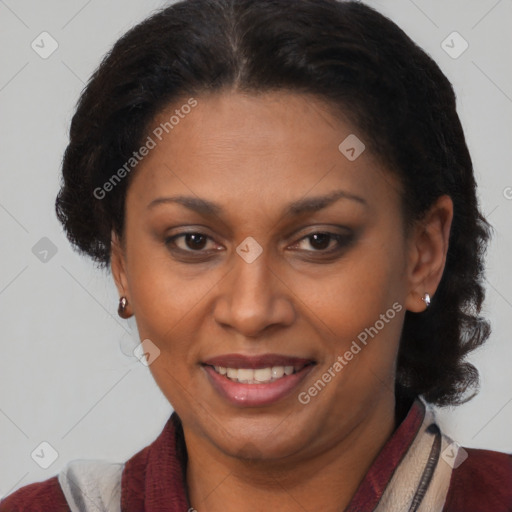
<point>121,311</point>
<point>426,299</point>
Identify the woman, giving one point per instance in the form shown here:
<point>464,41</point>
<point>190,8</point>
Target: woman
<point>285,198</point>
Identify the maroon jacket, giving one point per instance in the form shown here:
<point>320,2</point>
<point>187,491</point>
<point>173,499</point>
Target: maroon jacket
<point>153,480</point>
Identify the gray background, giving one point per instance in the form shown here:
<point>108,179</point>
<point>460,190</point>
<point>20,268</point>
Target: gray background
<point>67,376</point>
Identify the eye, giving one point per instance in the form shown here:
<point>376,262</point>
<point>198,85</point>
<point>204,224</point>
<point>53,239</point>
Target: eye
<point>189,242</point>
<point>324,242</point>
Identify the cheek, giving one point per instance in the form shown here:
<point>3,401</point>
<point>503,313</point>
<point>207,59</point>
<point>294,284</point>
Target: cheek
<point>355,292</point>
<point>164,302</point>
<point>162,291</point>
<point>172,303</point>
<point>168,309</point>
<point>360,309</point>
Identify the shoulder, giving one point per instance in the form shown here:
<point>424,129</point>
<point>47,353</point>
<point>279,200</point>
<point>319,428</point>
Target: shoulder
<point>36,497</point>
<point>110,482</point>
<point>482,483</point>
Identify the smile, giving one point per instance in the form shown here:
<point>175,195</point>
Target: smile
<point>256,381</point>
<point>257,376</point>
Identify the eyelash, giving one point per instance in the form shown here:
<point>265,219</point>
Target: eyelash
<point>343,241</point>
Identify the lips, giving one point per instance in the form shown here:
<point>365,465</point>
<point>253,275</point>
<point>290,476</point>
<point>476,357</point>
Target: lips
<point>256,380</point>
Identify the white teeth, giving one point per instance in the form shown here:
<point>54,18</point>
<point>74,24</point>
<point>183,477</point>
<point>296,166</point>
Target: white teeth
<point>245,374</point>
<point>263,374</point>
<point>277,372</point>
<point>232,373</point>
<point>250,376</point>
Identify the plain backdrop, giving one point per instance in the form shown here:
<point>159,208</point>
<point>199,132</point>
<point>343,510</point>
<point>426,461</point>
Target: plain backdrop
<point>67,376</point>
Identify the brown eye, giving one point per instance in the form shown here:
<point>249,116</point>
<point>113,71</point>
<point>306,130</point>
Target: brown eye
<point>320,241</point>
<point>324,243</point>
<point>188,242</point>
<point>195,241</point>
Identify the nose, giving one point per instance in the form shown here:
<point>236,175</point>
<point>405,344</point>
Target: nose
<point>253,298</point>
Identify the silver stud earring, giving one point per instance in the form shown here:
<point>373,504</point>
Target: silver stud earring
<point>426,299</point>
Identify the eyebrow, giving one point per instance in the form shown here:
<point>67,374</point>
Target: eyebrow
<point>306,205</point>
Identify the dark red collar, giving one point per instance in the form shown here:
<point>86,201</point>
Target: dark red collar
<point>374,483</point>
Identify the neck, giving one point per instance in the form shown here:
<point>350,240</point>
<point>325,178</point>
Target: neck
<point>325,480</point>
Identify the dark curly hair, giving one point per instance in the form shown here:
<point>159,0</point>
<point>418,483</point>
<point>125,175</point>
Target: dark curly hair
<point>345,53</point>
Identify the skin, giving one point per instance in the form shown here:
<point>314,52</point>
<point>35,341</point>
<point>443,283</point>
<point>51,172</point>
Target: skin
<point>253,155</point>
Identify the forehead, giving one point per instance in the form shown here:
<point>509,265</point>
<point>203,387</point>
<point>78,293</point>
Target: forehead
<point>234,146</point>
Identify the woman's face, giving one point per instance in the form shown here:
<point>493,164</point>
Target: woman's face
<point>253,243</point>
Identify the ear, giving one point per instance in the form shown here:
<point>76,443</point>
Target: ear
<point>428,248</point>
<point>118,268</point>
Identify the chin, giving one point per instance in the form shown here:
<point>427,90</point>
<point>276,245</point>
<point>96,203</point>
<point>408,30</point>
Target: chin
<point>262,437</point>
